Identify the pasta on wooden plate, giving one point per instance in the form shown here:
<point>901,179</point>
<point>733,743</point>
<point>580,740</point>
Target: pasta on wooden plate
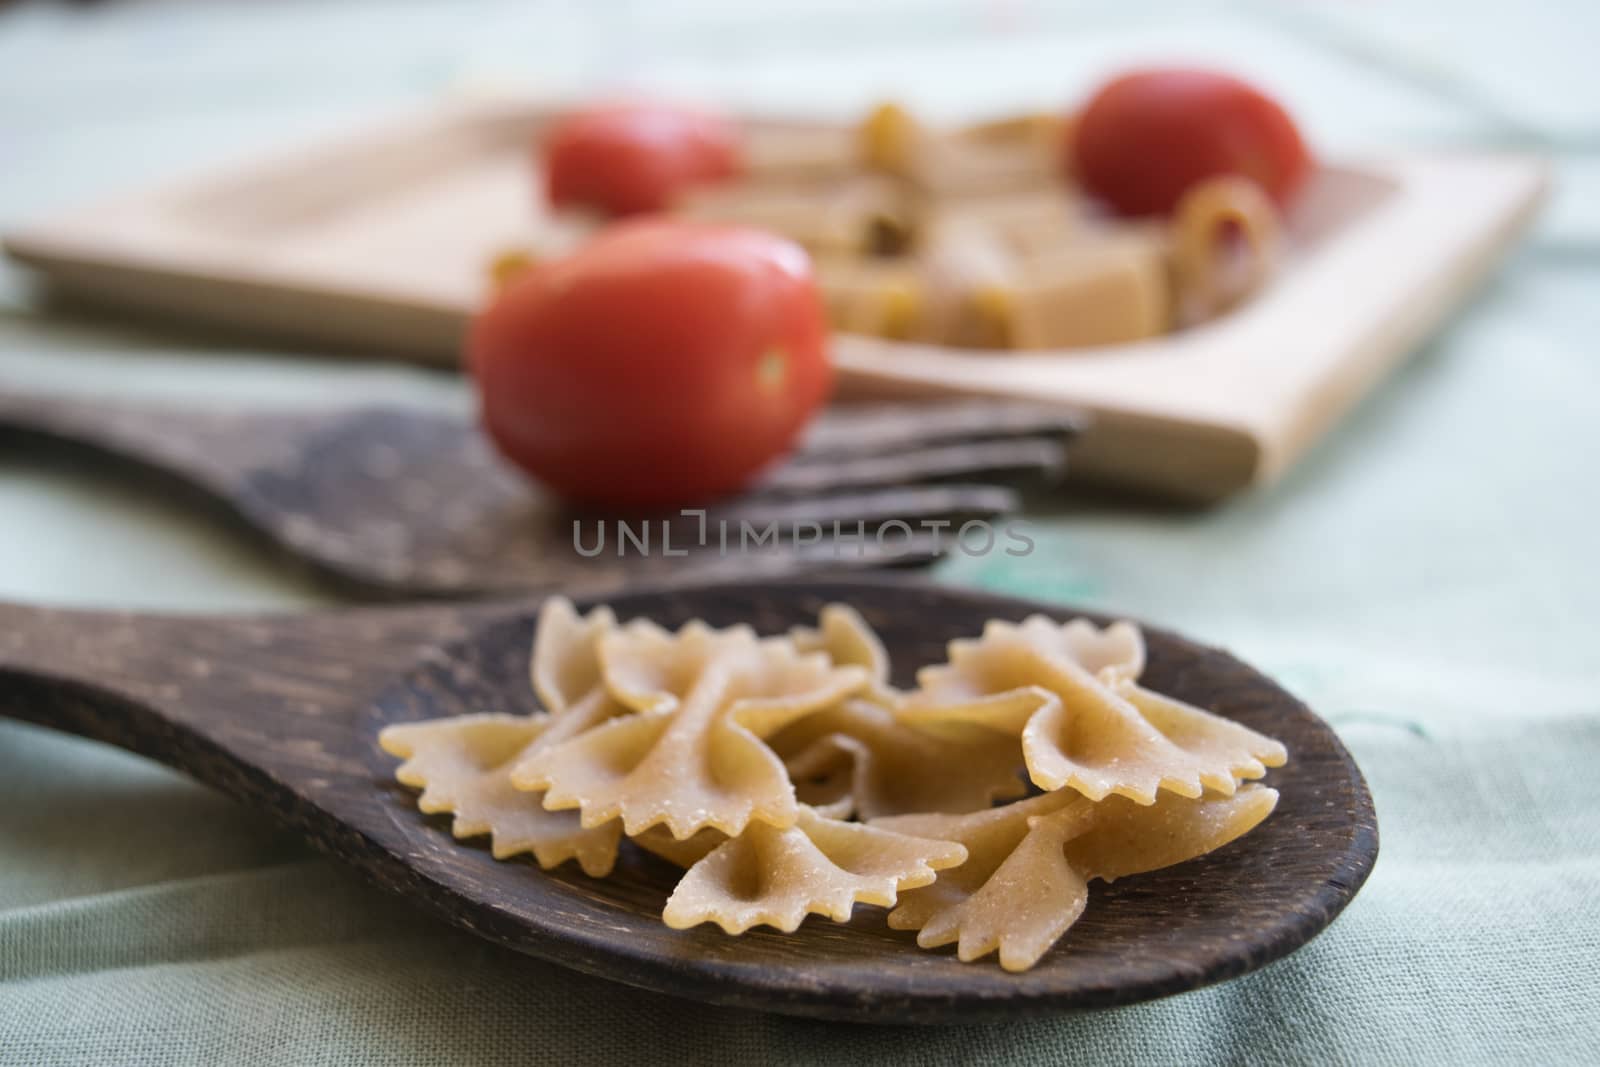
<point>973,238</point>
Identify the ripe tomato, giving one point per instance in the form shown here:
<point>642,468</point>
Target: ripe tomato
<point>664,363</point>
<point>1146,137</point>
<point>626,159</point>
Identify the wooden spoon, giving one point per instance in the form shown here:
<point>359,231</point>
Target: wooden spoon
<point>283,713</point>
<point>405,504</point>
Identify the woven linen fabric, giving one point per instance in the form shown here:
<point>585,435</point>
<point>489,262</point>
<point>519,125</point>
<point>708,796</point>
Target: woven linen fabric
<point>1426,580</point>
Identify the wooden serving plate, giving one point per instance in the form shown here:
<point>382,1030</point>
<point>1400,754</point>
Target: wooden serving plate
<point>283,713</point>
<point>380,241</point>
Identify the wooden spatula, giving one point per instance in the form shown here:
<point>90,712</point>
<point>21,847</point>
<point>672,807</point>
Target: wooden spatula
<point>283,714</point>
<point>401,503</point>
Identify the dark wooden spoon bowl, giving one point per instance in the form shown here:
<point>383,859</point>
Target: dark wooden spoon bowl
<point>282,712</point>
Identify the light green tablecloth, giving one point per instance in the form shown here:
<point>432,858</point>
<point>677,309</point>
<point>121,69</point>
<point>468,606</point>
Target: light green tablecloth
<point>1427,579</point>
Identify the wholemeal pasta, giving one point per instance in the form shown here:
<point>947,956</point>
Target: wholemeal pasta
<point>1226,242</point>
<point>975,237</point>
<point>463,764</point>
<point>776,877</point>
<point>1026,878</point>
<point>692,757</point>
<point>786,776</point>
<point>1085,725</point>
<point>861,751</point>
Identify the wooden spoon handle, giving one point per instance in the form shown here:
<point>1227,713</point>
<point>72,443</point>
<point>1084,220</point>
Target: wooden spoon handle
<point>84,647</point>
<point>201,447</point>
<point>251,680</point>
<point>270,710</point>
<point>94,673</point>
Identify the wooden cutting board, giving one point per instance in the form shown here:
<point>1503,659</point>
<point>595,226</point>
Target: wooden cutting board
<point>379,242</point>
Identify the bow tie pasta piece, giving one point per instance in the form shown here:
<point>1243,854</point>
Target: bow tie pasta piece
<point>990,838</point>
<point>566,653</point>
<point>693,757</point>
<point>686,853</point>
<point>1120,738</point>
<point>689,852</point>
<point>1068,692</point>
<point>1210,740</point>
<point>776,877</point>
<point>1035,652</point>
<point>846,638</point>
<point>859,751</point>
<point>463,766</point>
<point>1117,650</point>
<point>1125,838</point>
<point>651,669</point>
<point>1026,878</point>
<point>1007,655</point>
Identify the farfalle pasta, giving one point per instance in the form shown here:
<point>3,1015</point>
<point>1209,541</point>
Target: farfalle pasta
<point>693,756</point>
<point>846,639</point>
<point>1026,878</point>
<point>463,764</point>
<point>786,776</point>
<point>860,753</point>
<point>767,876</point>
<point>1069,693</point>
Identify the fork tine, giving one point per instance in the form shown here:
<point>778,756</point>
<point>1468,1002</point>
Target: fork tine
<point>870,506</point>
<point>1009,458</point>
<point>830,553</point>
<point>877,428</point>
<point>701,565</point>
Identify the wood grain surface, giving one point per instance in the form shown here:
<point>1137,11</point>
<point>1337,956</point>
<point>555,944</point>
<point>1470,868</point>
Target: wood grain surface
<point>379,239</point>
<point>402,503</point>
<point>282,713</point>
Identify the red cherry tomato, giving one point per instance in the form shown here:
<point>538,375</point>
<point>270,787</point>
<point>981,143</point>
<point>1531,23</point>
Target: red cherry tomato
<point>662,364</point>
<point>626,159</point>
<point>1146,137</point>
